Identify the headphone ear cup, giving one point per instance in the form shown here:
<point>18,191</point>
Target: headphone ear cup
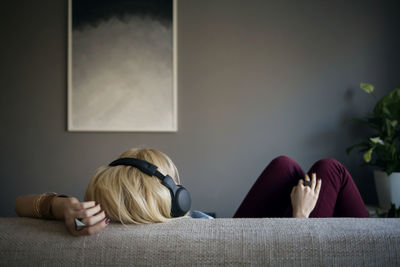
<point>181,202</point>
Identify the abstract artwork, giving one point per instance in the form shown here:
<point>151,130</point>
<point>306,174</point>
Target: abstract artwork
<point>122,65</point>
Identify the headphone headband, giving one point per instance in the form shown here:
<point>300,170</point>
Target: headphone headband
<point>144,166</point>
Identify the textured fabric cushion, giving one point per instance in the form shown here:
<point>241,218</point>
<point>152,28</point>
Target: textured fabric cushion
<point>288,242</point>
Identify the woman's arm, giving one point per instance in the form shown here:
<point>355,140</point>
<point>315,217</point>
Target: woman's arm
<point>304,198</point>
<point>24,205</point>
<point>64,208</point>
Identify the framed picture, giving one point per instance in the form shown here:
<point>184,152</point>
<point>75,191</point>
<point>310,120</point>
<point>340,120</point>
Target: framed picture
<point>122,65</point>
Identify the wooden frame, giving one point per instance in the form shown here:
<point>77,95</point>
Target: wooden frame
<point>99,99</point>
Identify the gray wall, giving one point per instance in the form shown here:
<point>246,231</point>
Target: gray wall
<point>257,79</point>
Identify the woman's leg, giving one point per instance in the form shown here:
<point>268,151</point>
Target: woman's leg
<point>270,194</point>
<point>339,196</point>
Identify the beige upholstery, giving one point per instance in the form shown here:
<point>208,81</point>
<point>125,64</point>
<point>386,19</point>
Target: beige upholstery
<point>274,242</point>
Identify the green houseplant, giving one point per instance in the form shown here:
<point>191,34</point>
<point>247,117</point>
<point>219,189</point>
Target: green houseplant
<point>382,150</point>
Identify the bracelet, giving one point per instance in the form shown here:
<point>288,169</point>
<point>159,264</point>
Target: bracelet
<point>43,205</point>
<point>36,206</point>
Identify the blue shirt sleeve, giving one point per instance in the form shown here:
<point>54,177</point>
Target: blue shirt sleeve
<point>195,214</point>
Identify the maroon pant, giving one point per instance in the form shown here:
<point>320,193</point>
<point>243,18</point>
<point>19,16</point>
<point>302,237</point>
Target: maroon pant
<point>270,195</point>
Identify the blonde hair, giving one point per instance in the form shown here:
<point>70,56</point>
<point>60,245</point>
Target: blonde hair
<point>131,196</point>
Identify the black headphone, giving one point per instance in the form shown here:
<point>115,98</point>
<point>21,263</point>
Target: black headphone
<point>180,196</point>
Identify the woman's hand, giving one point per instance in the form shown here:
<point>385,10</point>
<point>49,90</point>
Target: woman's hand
<point>304,198</point>
<point>87,212</point>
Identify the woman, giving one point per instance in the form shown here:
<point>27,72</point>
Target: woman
<point>123,193</point>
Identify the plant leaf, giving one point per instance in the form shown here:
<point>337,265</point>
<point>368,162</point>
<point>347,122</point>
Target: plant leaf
<point>367,87</point>
<point>388,106</point>
<point>361,144</point>
<point>377,140</point>
<point>367,155</point>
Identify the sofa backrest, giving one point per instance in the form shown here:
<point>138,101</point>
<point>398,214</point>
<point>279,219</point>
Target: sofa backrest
<point>269,241</point>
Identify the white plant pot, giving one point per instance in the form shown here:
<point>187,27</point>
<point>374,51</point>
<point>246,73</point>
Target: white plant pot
<point>388,188</point>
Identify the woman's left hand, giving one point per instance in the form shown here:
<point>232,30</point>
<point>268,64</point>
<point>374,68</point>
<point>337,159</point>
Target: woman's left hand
<point>88,213</point>
<point>304,198</point>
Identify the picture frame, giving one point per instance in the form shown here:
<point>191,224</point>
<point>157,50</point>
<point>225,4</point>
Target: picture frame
<point>122,67</point>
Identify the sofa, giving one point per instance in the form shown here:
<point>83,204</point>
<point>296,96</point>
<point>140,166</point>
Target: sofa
<point>219,242</point>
